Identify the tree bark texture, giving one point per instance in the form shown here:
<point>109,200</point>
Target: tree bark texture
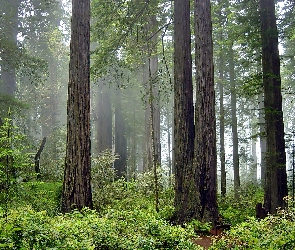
<point>205,122</point>
<point>186,189</point>
<point>76,185</point>
<point>275,175</point>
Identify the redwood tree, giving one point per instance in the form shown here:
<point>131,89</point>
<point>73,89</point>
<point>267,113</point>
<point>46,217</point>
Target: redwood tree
<point>275,172</point>
<point>76,185</point>
<point>186,189</point>
<point>205,122</point>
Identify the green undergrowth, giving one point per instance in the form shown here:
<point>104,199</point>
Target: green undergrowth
<point>38,195</point>
<point>27,229</point>
<point>129,222</point>
<point>237,210</point>
<point>273,232</point>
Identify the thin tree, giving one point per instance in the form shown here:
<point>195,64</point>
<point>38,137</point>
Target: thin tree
<point>221,103</point>
<point>186,188</point>
<point>104,119</point>
<point>222,129</point>
<point>120,139</point>
<point>275,172</point>
<point>234,122</point>
<point>76,185</point>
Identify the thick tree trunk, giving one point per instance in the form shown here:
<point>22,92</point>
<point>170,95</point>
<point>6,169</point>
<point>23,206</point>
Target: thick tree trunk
<point>275,175</point>
<point>205,122</point>
<point>186,188</point>
<point>76,185</point>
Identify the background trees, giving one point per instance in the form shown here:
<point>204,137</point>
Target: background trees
<point>134,82</point>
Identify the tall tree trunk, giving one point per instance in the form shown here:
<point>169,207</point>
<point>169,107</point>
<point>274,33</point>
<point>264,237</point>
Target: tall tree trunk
<point>221,132</point>
<point>76,185</point>
<point>120,139</point>
<point>205,122</point>
<point>253,169</point>
<point>186,188</point>
<point>169,140</point>
<point>262,138</point>
<point>152,109</point>
<point>9,53</point>
<point>275,175</point>
<point>221,107</point>
<point>104,119</point>
<point>234,122</point>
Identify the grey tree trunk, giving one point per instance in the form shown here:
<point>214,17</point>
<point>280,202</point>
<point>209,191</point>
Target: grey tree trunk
<point>221,132</point>
<point>104,119</point>
<point>262,137</point>
<point>233,100</point>
<point>76,185</point>
<point>221,109</point>
<point>120,139</point>
<point>9,55</point>
<point>253,169</point>
<point>152,102</point>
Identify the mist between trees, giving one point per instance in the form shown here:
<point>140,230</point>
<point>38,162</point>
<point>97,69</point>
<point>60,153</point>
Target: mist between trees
<point>195,94</point>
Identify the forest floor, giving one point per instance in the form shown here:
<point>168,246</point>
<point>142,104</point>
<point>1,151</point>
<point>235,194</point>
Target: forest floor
<point>204,241</point>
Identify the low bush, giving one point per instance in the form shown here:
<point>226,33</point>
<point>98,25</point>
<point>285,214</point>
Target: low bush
<point>26,229</point>
<point>273,232</point>
<point>235,211</point>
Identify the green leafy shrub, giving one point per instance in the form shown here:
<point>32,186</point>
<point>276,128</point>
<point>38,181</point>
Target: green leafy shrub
<point>200,227</point>
<point>273,232</point>
<point>27,229</point>
<point>103,174</point>
<point>53,155</point>
<point>236,211</point>
<point>13,161</point>
<point>123,195</point>
<point>40,196</point>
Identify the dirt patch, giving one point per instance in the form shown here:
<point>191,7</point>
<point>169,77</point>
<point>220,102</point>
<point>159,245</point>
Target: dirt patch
<point>204,241</point>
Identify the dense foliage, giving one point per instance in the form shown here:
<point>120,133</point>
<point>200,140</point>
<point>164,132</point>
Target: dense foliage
<point>129,221</point>
<point>274,232</point>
